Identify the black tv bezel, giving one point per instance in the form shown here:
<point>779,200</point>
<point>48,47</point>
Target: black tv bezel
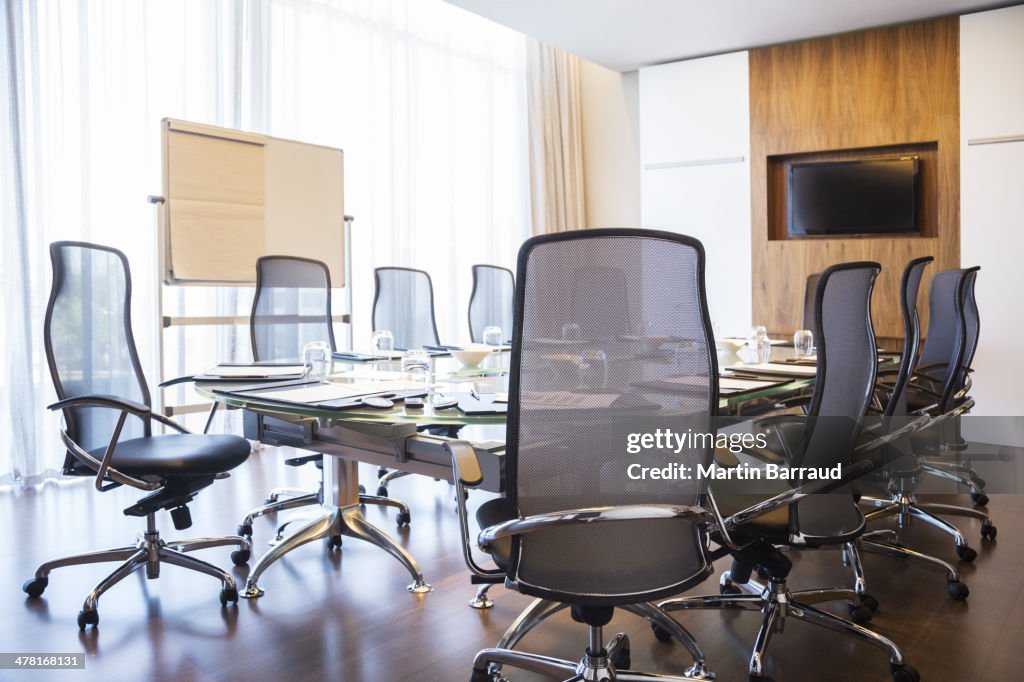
<point>915,232</point>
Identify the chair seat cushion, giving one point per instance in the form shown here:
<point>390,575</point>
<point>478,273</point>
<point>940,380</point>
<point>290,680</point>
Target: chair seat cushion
<point>178,454</point>
<point>492,513</point>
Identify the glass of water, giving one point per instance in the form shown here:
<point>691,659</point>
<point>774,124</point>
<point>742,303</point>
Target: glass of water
<point>382,342</point>
<point>760,345</point>
<point>316,356</point>
<point>493,337</point>
<point>803,343</point>
<point>416,365</point>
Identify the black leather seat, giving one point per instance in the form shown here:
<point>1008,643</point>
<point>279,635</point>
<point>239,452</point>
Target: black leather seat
<point>491,513</point>
<point>179,454</point>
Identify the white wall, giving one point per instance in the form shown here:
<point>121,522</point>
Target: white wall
<point>611,148</point>
<point>695,153</point>
<point>992,199</point>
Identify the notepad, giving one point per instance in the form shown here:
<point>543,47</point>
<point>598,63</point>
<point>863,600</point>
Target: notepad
<point>775,369</point>
<point>328,391</point>
<point>254,371</point>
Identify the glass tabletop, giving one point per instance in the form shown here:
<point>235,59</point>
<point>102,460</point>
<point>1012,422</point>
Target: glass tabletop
<point>450,379</point>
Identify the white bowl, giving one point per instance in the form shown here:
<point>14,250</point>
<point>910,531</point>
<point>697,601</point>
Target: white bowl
<point>472,355</point>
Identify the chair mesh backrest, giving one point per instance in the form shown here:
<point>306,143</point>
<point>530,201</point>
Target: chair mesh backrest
<point>573,404</point>
<point>909,287</point>
<point>404,305</point>
<point>291,307</point>
<point>810,289</point>
<point>490,304</point>
<point>90,348</point>
<point>953,327</point>
<point>847,365</point>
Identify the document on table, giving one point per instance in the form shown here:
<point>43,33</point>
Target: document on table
<point>324,392</point>
<point>775,368</point>
<point>254,371</point>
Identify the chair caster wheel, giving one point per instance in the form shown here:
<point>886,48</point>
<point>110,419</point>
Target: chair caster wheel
<point>904,673</point>
<point>382,491</point>
<point>228,595</point>
<point>382,472</point>
<point>661,634</point>
<point>34,587</point>
<point>869,602</point>
<point>763,573</point>
<point>403,519</point>
<point>760,678</point>
<point>957,590</point>
<point>245,530</point>
<point>621,659</point>
<point>240,557</point>
<point>860,615</point>
<point>362,489</point>
<point>966,553</point>
<point>729,588</point>
<point>988,531</point>
<point>333,542</point>
<point>980,499</point>
<point>87,618</point>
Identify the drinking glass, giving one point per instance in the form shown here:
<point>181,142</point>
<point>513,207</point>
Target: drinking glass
<point>316,356</point>
<point>759,344</point>
<point>571,332</point>
<point>382,342</point>
<point>803,343</point>
<point>416,364</point>
<point>493,337</point>
<point>592,367</point>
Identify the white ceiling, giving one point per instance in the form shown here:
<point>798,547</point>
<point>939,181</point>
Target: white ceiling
<point>627,34</point>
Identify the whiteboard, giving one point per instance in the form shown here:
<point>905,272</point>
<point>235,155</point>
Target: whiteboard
<point>232,196</point>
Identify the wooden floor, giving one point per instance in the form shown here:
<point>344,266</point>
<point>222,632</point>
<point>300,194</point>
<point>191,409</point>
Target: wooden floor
<point>346,615</point>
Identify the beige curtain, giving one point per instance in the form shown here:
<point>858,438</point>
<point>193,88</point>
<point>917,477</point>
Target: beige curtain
<point>556,139</point>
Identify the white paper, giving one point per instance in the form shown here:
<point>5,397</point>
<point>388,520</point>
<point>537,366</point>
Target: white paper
<point>317,393</point>
<point>254,371</point>
<point>790,369</point>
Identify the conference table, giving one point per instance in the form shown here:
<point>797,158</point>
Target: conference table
<point>398,438</point>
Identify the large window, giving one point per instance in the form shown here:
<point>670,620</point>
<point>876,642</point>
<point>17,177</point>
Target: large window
<point>427,101</point>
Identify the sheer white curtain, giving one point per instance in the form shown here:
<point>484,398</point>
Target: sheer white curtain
<point>427,100</point>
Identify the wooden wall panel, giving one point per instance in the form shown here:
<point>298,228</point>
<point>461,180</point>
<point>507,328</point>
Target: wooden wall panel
<point>878,88</point>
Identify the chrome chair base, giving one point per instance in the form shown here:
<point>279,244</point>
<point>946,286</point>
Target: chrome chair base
<point>481,601</point>
<point>304,499</point>
<point>332,525</point>
<point>777,603</point>
<point>491,660</point>
<point>905,507</point>
<point>600,662</point>
<point>150,552</point>
<point>887,542</point>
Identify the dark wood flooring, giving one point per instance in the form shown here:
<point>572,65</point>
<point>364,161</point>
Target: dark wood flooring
<point>346,615</point>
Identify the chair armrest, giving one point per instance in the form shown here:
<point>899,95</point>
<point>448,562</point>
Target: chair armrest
<point>111,401</point>
<point>572,517</point>
<point>787,498</point>
<point>176,380</point>
<point>465,464</point>
<point>780,419</point>
<point>466,472</point>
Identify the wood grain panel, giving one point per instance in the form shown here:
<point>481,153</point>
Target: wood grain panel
<point>883,88</point>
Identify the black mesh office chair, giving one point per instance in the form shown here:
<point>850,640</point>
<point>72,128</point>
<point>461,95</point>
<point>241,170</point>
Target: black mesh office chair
<point>292,307</point>
<point>573,530</point>
<point>939,386</point>
<point>490,304</point>
<point>98,379</point>
<point>809,292</point>
<point>826,437</point>
<point>403,303</point>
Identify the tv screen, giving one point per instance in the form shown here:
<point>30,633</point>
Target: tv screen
<point>869,197</point>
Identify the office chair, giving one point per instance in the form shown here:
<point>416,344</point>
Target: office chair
<point>573,530</point>
<point>490,304</point>
<point>96,373</point>
<point>810,288</point>
<point>939,386</point>
<point>403,303</point>
<point>292,307</point>
<point>826,437</point>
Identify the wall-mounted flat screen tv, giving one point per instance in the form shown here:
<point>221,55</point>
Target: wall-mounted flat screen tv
<point>866,197</point>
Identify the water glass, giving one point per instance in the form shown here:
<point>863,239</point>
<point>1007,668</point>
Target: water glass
<point>760,345</point>
<point>382,342</point>
<point>803,343</point>
<point>316,356</point>
<point>593,370</point>
<point>416,364</point>
<point>493,336</point>
<point>571,332</point>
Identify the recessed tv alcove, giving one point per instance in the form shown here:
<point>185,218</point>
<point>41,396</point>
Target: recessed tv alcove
<point>879,192</point>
